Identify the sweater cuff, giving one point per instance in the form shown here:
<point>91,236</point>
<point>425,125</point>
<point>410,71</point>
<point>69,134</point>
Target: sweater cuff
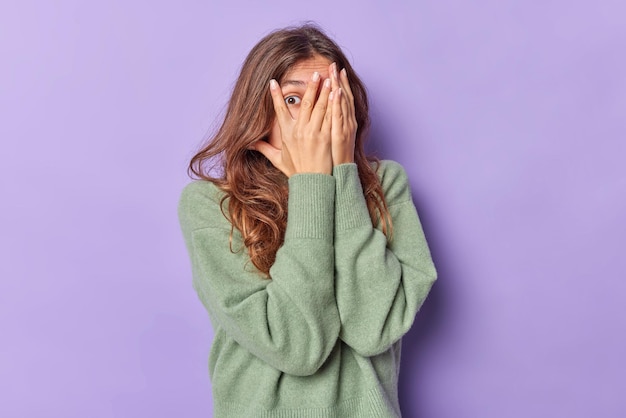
<point>350,205</point>
<point>311,206</point>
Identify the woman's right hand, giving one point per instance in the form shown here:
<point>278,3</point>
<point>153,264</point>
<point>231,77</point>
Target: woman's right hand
<point>305,141</point>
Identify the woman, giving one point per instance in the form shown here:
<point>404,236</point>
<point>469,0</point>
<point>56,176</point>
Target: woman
<point>309,258</point>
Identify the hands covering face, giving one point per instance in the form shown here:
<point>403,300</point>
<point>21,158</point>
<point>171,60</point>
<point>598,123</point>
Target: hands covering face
<point>323,133</point>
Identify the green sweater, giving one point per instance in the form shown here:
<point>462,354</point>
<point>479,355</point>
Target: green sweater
<point>322,337</point>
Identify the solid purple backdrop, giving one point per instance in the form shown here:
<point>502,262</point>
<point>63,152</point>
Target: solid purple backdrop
<point>509,117</point>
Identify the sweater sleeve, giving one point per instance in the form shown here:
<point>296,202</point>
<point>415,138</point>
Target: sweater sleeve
<point>291,321</point>
<point>380,284</point>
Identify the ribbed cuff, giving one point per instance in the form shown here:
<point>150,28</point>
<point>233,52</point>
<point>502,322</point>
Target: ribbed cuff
<point>350,205</point>
<point>311,206</point>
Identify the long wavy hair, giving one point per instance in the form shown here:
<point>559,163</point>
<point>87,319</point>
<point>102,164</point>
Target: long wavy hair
<point>255,191</point>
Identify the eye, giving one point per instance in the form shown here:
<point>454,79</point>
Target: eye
<point>292,100</point>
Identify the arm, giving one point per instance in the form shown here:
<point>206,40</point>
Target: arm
<point>380,285</point>
<point>291,321</point>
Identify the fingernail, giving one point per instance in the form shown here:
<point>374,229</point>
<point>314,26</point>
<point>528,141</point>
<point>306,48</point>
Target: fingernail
<point>316,76</point>
<point>330,96</point>
<point>335,69</point>
<point>344,72</point>
<point>273,84</point>
<point>327,83</point>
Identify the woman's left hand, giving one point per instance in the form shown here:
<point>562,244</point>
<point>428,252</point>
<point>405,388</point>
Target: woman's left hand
<point>343,125</point>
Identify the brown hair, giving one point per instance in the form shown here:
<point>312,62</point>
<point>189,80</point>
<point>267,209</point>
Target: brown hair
<point>256,190</point>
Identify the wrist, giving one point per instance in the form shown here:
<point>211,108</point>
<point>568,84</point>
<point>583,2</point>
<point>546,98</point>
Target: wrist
<point>344,160</point>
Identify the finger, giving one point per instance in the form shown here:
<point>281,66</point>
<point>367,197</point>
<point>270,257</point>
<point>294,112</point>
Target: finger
<point>328,116</point>
<point>308,100</point>
<point>345,107</point>
<point>334,76</point>
<point>337,116</point>
<point>282,112</point>
<point>270,152</point>
<point>345,85</point>
<point>322,105</point>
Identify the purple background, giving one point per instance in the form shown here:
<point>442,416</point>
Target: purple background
<point>509,116</point>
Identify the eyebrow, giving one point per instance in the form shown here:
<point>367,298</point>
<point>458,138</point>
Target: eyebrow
<point>297,83</point>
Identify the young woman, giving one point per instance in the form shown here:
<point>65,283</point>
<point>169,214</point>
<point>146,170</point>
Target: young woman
<point>308,256</point>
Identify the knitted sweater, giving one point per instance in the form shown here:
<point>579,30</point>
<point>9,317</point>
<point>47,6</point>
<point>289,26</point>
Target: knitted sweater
<point>322,337</point>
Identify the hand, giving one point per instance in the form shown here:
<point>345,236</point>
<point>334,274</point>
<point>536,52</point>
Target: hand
<point>305,141</point>
<point>344,125</point>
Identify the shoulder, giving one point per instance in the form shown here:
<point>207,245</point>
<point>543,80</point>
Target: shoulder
<point>394,181</point>
<point>200,191</point>
<point>200,205</point>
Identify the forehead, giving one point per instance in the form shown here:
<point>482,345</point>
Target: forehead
<point>302,70</point>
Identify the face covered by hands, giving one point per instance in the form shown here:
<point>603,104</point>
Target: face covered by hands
<point>315,125</point>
